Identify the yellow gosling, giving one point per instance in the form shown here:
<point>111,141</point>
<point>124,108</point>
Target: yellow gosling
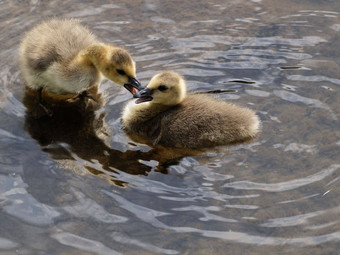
<point>62,56</point>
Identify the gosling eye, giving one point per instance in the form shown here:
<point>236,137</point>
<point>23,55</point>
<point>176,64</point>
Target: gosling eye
<point>121,72</point>
<point>162,88</point>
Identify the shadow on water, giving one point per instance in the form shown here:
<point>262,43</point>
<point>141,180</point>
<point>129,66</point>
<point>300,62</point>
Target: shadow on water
<point>72,133</point>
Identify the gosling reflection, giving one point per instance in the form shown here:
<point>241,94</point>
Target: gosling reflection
<point>83,130</point>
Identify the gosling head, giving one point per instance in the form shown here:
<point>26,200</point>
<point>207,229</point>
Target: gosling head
<point>117,65</point>
<point>166,88</point>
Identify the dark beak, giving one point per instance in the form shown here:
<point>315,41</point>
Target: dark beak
<point>133,86</point>
<point>143,95</point>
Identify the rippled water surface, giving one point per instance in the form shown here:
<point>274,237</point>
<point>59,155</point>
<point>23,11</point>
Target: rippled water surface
<point>75,184</point>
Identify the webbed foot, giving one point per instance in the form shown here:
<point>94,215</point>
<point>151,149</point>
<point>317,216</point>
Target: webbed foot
<point>81,96</point>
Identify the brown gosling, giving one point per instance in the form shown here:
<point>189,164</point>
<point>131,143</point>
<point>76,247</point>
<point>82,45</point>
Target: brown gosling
<point>63,57</point>
<point>165,115</point>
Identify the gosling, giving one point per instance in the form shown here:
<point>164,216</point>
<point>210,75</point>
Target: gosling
<point>63,57</point>
<point>164,115</point>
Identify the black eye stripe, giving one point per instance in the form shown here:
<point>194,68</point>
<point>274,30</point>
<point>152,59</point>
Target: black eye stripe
<point>162,88</point>
<point>121,72</point>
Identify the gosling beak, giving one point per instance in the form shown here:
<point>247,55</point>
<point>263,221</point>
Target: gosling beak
<point>143,95</point>
<point>133,86</point>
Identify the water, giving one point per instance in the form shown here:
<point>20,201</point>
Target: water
<point>76,184</point>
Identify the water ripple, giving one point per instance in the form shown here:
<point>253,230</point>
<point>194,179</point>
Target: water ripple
<point>293,97</point>
<point>270,53</point>
<point>205,211</point>
<point>127,240</point>
<point>145,214</point>
<point>86,207</point>
<point>298,148</point>
<point>209,41</point>
<point>316,78</point>
<point>90,11</point>
<point>82,243</point>
<point>240,237</point>
<point>283,186</point>
<point>194,193</point>
<point>7,244</point>
<point>290,221</point>
<point>22,205</point>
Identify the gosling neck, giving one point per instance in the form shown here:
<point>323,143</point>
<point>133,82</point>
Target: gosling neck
<point>94,55</point>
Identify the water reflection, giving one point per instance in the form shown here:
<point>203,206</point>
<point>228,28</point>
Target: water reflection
<point>79,133</point>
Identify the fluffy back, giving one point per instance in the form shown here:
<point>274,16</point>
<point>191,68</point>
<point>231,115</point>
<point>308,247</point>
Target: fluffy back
<point>54,40</point>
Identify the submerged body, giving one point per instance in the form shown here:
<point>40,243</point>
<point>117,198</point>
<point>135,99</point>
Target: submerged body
<point>64,57</point>
<point>174,119</point>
